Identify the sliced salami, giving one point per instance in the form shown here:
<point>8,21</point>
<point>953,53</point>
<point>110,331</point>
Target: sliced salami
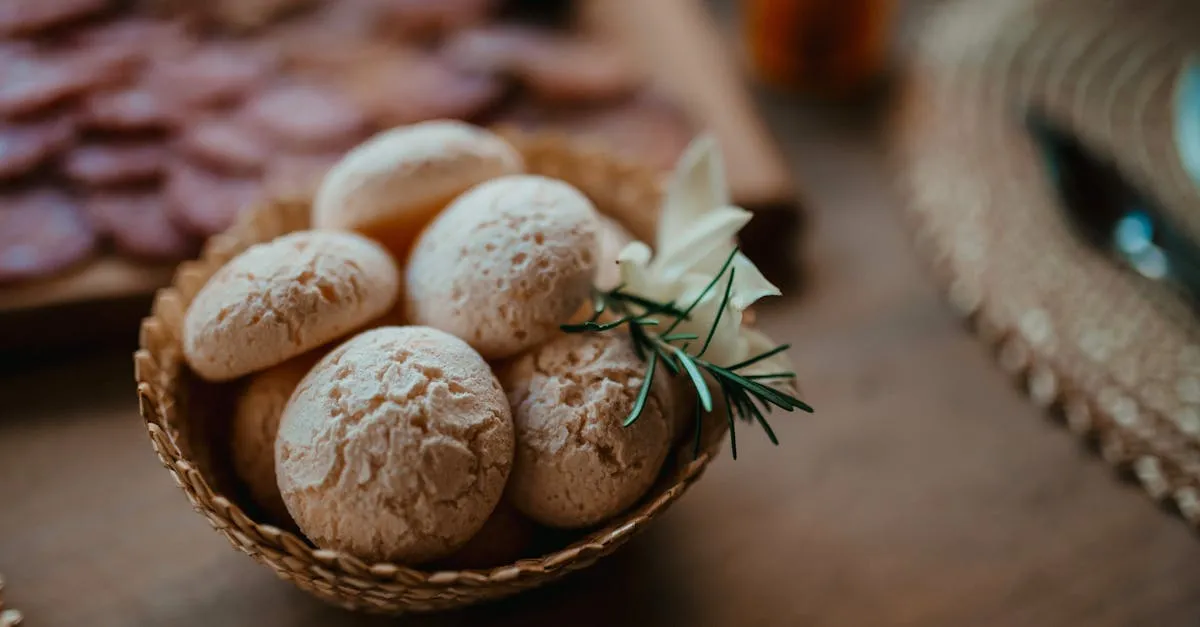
<point>407,90</point>
<point>425,19</point>
<point>41,232</point>
<point>107,165</point>
<point>205,203</point>
<point>24,147</point>
<point>225,145</point>
<point>307,117</point>
<point>492,49</point>
<point>138,224</point>
<point>31,83</point>
<point>109,65</point>
<point>30,17</point>
<point>164,38</point>
<point>130,110</point>
<point>214,75</point>
<point>244,15</point>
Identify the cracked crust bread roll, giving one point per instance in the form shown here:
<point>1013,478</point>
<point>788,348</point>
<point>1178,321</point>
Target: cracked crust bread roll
<point>505,264</point>
<point>285,297</point>
<point>503,539</point>
<point>255,424</point>
<point>392,185</point>
<point>576,465</point>
<point>395,447</point>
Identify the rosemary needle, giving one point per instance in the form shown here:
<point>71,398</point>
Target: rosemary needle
<point>697,378</point>
<point>741,393</point>
<point>644,392</point>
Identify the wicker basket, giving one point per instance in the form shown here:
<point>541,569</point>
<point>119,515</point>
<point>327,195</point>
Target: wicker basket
<point>188,418</point>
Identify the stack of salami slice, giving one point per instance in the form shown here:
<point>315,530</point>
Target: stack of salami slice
<point>140,130</point>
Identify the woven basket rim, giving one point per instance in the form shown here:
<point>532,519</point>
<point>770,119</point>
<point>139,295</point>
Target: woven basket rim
<point>1147,452</point>
<point>159,363</point>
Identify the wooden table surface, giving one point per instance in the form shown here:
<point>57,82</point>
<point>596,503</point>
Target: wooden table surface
<point>925,491</point>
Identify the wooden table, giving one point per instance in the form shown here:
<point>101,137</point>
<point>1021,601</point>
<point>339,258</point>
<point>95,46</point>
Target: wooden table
<point>925,491</point>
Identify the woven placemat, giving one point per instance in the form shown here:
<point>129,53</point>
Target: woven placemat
<point>1118,354</point>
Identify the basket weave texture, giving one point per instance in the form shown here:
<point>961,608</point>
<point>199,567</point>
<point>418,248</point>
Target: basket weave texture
<point>1117,355</point>
<point>185,417</point>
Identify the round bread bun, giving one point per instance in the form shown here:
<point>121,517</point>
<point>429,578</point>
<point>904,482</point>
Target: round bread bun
<point>504,538</point>
<point>505,264</point>
<point>255,423</point>
<point>392,185</point>
<point>576,464</point>
<point>395,447</point>
<point>283,298</point>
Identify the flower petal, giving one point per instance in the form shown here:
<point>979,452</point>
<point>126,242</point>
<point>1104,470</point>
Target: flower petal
<point>696,187</point>
<point>635,253</point>
<point>637,277</point>
<point>706,242</point>
<point>726,346</point>
<point>749,284</point>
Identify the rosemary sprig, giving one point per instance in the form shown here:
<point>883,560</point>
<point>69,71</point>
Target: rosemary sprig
<point>643,393</point>
<point>745,396</point>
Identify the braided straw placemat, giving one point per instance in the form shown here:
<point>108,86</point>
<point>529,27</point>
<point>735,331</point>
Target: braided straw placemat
<point>188,419</point>
<point>1118,354</point>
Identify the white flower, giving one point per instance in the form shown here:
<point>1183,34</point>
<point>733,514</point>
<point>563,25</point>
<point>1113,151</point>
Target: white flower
<point>696,235</point>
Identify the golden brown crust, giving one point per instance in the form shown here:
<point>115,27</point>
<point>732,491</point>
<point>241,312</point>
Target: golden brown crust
<point>283,298</point>
<point>390,186</point>
<point>396,446</point>
<point>505,264</point>
<point>576,465</point>
<point>255,423</point>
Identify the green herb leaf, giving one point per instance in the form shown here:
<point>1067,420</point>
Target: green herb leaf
<point>759,357</point>
<point>754,412</point>
<point>720,311</point>
<point>771,395</point>
<point>773,375</point>
<point>651,306</point>
<point>697,378</point>
<point>729,418</point>
<point>742,394</point>
<point>666,357</point>
<point>643,393</point>
<point>638,335</point>
<point>584,327</point>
